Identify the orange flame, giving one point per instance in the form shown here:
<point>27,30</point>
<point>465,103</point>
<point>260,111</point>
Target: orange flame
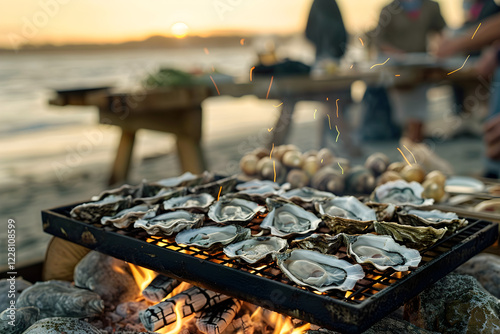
<point>281,323</point>
<point>142,275</point>
<point>179,321</point>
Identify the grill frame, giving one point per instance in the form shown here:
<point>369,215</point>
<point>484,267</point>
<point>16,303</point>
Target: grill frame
<point>344,315</point>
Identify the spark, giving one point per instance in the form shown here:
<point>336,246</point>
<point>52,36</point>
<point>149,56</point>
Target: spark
<point>458,69</point>
<point>269,130</point>
<point>321,160</point>
<point>215,85</point>
<point>363,44</point>
<point>404,156</point>
<point>341,167</point>
<point>242,41</point>
<point>476,31</point>
<point>380,64</point>
<point>351,66</point>
<point>278,105</point>
<point>337,104</point>
<point>315,113</point>
<point>397,75</point>
<point>251,70</point>
<point>206,51</point>
<point>410,153</point>
<point>274,169</point>
<point>220,189</point>
<point>330,124</point>
<point>338,134</point>
<point>327,99</point>
<point>271,154</point>
<point>270,84</point>
<point>213,68</point>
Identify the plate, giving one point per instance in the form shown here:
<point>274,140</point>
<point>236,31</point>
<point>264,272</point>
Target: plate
<point>463,185</point>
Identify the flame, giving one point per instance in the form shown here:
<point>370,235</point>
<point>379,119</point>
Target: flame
<point>301,329</point>
<point>142,275</point>
<point>348,293</point>
<point>179,321</point>
<point>282,324</point>
<point>397,274</point>
<point>178,289</point>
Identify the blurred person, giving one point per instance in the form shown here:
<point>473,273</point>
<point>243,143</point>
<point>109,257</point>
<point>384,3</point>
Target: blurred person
<point>406,31</point>
<point>489,65</point>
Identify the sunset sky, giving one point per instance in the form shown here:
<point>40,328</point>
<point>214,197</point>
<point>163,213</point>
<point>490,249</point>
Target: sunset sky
<point>90,21</point>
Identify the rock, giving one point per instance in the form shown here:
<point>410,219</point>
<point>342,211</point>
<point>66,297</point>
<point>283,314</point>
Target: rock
<point>15,321</point>
<point>390,325</point>
<point>486,269</point>
<point>61,299</point>
<point>60,325</point>
<point>107,276</point>
<point>5,286</point>
<point>456,304</point>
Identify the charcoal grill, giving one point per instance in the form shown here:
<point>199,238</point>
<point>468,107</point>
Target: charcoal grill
<point>373,297</point>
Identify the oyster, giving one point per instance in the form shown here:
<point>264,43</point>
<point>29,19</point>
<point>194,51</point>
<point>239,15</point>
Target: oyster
<point>323,243</point>
<point>417,237</point>
<point>93,211</point>
<point>185,180</point>
<point>253,184</point>
<point>125,218</point>
<point>384,211</point>
<point>154,196</point>
<point>222,187</point>
<point>169,223</point>
<point>261,192</point>
<point>400,192</point>
<point>319,271</point>
<point>346,214</point>
<point>286,218</point>
<point>209,236</point>
<point>193,201</point>
<point>434,218</point>
<point>255,249</point>
<point>306,194</point>
<point>125,190</point>
<point>228,209</point>
<point>381,251</point>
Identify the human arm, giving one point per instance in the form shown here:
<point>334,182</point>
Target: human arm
<point>492,138</point>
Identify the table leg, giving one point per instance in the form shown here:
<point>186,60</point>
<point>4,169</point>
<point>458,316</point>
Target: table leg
<point>123,157</point>
<point>282,126</point>
<point>190,154</point>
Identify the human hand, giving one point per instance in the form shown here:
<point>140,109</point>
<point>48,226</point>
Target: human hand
<point>492,138</point>
<point>447,48</point>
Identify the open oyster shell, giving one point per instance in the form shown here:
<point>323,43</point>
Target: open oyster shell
<point>306,195</point>
<point>194,201</point>
<point>433,218</point>
<point>285,219</point>
<point>125,190</point>
<point>400,192</point>
<point>153,195</point>
<point>93,211</point>
<point>169,223</point>
<point>208,236</point>
<point>381,251</point>
<point>228,209</point>
<point>383,211</point>
<point>346,214</point>
<point>254,184</point>
<point>255,249</point>
<point>222,186</point>
<point>185,180</point>
<point>125,218</point>
<point>323,243</point>
<point>319,271</point>
<point>417,237</point>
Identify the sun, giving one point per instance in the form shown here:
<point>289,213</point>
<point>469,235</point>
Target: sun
<point>179,29</point>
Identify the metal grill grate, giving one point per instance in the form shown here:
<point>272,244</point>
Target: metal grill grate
<point>373,297</point>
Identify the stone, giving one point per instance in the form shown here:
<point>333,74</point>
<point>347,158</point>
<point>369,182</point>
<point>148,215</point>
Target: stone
<point>456,304</point>
<point>486,269</point>
<point>390,325</point>
<point>15,321</point>
<point>5,289</point>
<point>58,325</point>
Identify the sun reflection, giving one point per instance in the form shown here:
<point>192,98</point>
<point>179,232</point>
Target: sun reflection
<point>179,29</point>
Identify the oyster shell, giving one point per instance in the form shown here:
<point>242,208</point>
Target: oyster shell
<point>286,218</point>
<point>400,192</point>
<point>255,249</point>
<point>228,209</point>
<point>209,236</point>
<point>381,251</point>
<point>346,214</point>
<point>193,201</point>
<point>125,190</point>
<point>253,184</point>
<point>93,211</point>
<point>384,211</point>
<point>319,271</point>
<point>153,196</point>
<point>417,237</point>
<point>214,188</point>
<point>169,223</point>
<point>323,243</point>
<point>125,218</point>
<point>185,180</point>
<point>433,218</point>
<point>307,195</point>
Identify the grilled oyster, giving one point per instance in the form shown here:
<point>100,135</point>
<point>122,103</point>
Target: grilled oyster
<point>319,271</point>
<point>185,180</point>
<point>384,211</point>
<point>323,243</point>
<point>306,194</point>
<point>209,236</point>
<point>286,218</point>
<point>93,211</point>
<point>194,201</point>
<point>417,237</point>
<point>381,251</point>
<point>254,184</point>
<point>125,190</point>
<point>169,223</point>
<point>433,218</point>
<point>154,195</point>
<point>255,249</point>
<point>228,209</point>
<point>125,218</point>
<point>400,192</point>
<point>222,186</point>
<point>346,214</point>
